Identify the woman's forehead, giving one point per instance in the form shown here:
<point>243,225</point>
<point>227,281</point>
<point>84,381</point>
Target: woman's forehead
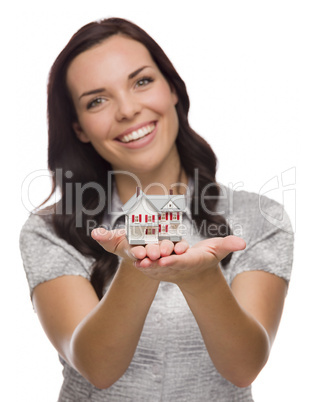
<point>115,55</point>
<point>111,51</point>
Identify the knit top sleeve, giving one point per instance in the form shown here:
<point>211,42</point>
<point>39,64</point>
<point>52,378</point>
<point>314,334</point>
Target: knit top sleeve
<point>265,226</point>
<point>46,256</point>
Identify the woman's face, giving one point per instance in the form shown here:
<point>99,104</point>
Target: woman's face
<point>125,106</point>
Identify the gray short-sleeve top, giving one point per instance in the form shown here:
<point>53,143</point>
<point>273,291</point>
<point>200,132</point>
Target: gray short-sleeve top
<point>171,362</point>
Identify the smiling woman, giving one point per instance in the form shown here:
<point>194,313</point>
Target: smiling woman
<point>193,320</point>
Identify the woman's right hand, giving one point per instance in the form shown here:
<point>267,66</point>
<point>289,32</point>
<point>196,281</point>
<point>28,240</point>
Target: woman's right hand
<point>115,242</point>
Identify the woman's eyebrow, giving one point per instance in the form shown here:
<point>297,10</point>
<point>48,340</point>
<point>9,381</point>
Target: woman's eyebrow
<point>97,91</point>
<point>136,72</point>
<point>92,92</point>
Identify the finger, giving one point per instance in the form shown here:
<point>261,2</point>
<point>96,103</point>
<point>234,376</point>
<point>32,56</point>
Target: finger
<point>181,247</point>
<point>222,246</point>
<point>218,248</point>
<point>113,241</point>
<point>234,243</point>
<point>166,248</point>
<point>138,252</point>
<point>173,261</point>
<point>144,264</point>
<point>153,251</point>
<point>101,234</point>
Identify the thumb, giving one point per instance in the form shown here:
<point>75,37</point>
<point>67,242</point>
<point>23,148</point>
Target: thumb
<point>222,246</point>
<point>112,241</point>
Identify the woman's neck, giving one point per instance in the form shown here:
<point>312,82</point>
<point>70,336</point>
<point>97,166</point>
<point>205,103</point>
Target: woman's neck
<point>167,176</point>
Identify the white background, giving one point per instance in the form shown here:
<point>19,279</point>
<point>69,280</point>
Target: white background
<point>250,68</point>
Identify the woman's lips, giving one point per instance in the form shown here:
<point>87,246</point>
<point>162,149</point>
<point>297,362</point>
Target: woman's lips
<point>138,136</point>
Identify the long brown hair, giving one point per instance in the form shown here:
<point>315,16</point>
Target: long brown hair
<point>80,163</point>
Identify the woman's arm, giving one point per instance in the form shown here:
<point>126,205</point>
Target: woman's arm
<point>238,324</point>
<point>98,338</point>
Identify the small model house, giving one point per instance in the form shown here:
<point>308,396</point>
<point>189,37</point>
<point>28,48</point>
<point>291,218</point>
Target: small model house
<point>151,218</point>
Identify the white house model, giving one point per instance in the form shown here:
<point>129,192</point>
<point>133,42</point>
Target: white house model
<point>151,218</point>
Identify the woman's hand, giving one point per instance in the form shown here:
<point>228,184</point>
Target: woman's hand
<point>168,261</point>
<point>188,263</point>
<point>115,241</point>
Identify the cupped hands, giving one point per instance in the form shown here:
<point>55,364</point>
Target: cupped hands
<point>168,261</point>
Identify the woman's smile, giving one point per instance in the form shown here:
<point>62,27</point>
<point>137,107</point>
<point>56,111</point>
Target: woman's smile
<point>136,133</point>
<point>138,137</point>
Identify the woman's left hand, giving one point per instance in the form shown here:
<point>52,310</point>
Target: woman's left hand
<point>188,263</point>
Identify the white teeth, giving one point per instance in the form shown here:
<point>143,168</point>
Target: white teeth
<point>142,132</point>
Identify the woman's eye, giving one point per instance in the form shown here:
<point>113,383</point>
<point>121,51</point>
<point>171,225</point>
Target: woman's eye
<point>95,102</point>
<point>144,81</point>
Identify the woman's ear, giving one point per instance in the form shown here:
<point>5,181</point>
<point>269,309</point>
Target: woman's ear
<point>80,133</point>
<point>175,98</point>
<point>174,95</point>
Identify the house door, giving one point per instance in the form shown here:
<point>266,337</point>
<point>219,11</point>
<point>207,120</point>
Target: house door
<point>151,235</point>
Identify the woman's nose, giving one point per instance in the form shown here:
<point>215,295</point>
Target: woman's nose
<point>127,107</point>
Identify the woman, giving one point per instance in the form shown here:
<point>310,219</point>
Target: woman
<point>171,322</point>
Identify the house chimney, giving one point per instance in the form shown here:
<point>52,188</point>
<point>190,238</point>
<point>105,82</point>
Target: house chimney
<point>171,191</point>
<point>138,189</point>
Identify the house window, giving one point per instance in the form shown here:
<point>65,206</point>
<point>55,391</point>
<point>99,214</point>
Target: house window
<point>163,216</point>
<point>150,218</point>
<point>164,228</point>
<point>136,218</point>
<point>175,216</point>
<point>150,231</point>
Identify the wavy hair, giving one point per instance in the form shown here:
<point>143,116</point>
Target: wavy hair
<point>84,165</point>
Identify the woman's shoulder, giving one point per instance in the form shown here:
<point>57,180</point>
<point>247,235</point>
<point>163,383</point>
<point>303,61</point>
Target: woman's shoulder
<point>265,226</point>
<point>254,210</point>
<point>47,256</point>
<point>38,221</point>
<point>39,236</point>
<point>37,227</point>
<point>239,200</point>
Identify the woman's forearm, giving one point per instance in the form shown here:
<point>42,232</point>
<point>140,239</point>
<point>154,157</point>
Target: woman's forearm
<point>237,344</point>
<point>103,344</point>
